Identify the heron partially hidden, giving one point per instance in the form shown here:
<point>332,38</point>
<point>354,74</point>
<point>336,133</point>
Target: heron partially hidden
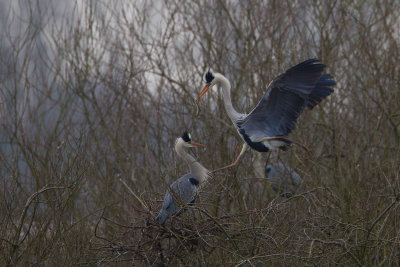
<point>266,127</point>
<point>283,179</point>
<point>184,190</point>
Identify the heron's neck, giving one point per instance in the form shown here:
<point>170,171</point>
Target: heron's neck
<point>226,88</point>
<point>196,169</point>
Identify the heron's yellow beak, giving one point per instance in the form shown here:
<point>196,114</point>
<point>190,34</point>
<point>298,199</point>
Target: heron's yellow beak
<point>197,144</point>
<point>205,89</point>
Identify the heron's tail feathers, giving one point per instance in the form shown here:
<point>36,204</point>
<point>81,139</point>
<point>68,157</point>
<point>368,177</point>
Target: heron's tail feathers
<point>162,217</point>
<point>322,89</point>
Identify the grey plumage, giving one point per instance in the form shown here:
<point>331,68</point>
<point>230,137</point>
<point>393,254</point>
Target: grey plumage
<point>277,112</point>
<point>184,190</point>
<point>179,194</point>
<point>283,179</point>
<point>266,127</point>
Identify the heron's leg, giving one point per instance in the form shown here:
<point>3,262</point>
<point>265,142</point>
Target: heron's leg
<point>244,148</point>
<point>288,141</point>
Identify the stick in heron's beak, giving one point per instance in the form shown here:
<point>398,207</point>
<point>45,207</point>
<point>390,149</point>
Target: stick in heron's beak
<point>197,108</point>
<point>197,144</point>
<point>205,89</point>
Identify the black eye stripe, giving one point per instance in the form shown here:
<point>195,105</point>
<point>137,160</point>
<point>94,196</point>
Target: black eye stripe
<point>209,77</point>
<point>186,137</point>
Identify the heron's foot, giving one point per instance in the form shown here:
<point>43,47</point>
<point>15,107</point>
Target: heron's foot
<point>235,148</point>
<point>303,146</point>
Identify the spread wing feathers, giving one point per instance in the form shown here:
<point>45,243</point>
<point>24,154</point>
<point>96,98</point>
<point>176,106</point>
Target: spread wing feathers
<point>276,115</point>
<point>322,89</point>
<point>300,79</point>
<point>277,112</point>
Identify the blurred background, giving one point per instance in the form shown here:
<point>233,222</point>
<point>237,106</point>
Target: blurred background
<point>93,95</point>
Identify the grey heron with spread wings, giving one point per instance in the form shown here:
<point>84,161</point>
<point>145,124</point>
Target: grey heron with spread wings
<point>266,127</point>
<point>184,190</point>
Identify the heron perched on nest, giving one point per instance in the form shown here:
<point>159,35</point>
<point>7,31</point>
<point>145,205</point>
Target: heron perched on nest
<point>184,190</point>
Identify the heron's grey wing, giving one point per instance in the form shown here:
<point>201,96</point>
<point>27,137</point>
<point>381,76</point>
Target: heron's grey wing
<point>186,189</point>
<point>322,89</point>
<point>168,201</point>
<point>180,193</point>
<point>277,112</point>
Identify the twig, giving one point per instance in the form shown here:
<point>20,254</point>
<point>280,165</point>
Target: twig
<point>138,198</point>
<point>23,215</point>
<point>28,203</point>
<point>270,256</point>
<point>380,217</point>
<point>95,230</point>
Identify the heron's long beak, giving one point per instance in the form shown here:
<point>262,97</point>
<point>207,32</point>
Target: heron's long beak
<point>205,89</point>
<point>197,144</point>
